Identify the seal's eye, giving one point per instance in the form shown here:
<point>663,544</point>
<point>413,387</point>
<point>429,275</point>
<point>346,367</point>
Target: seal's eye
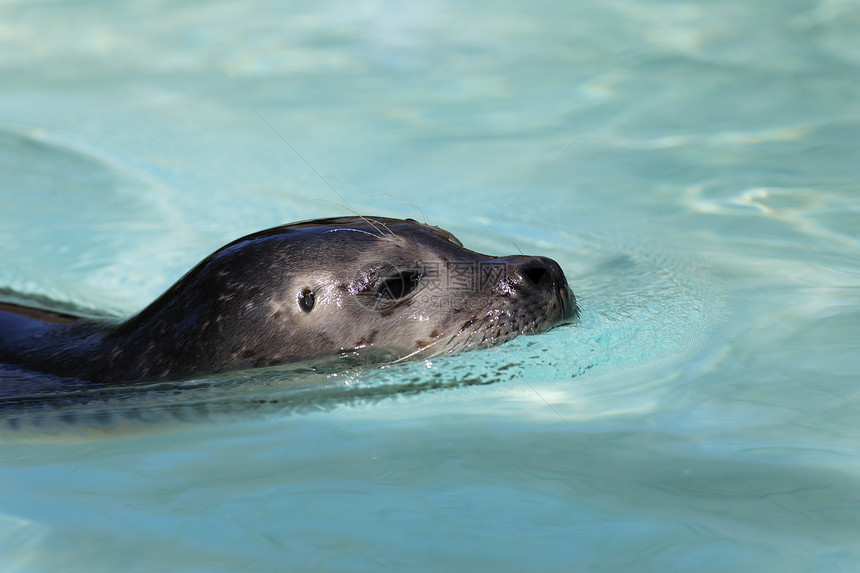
<point>398,285</point>
<point>305,299</point>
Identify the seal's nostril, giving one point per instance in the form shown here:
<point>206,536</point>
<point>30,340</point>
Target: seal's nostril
<point>536,273</point>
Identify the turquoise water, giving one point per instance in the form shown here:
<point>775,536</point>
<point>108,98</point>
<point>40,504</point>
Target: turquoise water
<point>703,416</point>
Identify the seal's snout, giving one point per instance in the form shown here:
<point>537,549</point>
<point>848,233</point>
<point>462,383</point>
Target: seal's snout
<point>538,272</point>
<point>543,274</point>
<point>570,310</point>
<point>534,272</point>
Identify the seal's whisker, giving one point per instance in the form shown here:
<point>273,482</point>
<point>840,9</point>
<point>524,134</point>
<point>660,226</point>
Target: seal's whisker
<point>420,210</point>
<point>343,206</point>
<point>359,215</point>
<point>424,218</point>
<point>281,137</point>
<point>415,353</point>
<point>424,348</point>
<point>356,231</point>
<point>371,223</point>
<point>406,204</point>
<point>384,226</point>
<point>541,174</point>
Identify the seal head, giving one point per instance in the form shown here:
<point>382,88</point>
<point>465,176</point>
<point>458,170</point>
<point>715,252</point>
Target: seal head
<point>384,287</point>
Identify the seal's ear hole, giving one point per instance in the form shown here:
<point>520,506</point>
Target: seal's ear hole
<point>305,299</point>
<point>398,285</point>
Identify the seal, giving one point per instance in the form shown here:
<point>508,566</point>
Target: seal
<point>386,288</point>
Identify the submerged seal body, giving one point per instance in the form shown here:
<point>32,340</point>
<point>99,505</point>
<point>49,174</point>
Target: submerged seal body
<point>301,291</point>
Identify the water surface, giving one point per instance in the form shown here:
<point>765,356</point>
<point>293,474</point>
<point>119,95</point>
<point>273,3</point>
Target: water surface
<point>691,166</point>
